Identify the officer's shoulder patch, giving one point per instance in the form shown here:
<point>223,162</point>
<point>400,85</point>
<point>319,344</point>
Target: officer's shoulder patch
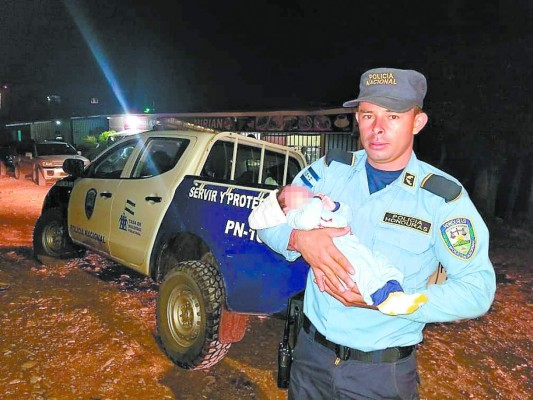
<point>441,186</point>
<point>341,156</point>
<point>458,235</point>
<point>309,177</point>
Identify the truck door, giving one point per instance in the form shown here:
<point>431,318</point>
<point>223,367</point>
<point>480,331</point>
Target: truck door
<point>143,198</point>
<point>93,195</point>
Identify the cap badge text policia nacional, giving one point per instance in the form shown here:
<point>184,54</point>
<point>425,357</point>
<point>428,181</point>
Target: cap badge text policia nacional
<point>397,90</point>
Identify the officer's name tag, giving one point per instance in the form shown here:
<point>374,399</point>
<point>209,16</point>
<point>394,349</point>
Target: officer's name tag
<point>408,222</point>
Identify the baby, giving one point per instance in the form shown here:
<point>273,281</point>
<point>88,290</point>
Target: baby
<point>378,281</point>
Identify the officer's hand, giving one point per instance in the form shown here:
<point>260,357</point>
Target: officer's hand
<point>350,297</point>
<point>327,262</point>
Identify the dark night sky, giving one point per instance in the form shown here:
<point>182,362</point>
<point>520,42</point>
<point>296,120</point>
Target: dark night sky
<point>201,55</point>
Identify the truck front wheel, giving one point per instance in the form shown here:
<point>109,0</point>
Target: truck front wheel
<point>50,237</point>
<point>189,308</point>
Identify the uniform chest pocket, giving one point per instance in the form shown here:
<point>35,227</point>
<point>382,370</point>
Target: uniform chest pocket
<point>403,240</point>
<point>410,252</point>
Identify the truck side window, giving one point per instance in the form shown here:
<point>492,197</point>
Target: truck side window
<point>248,163</point>
<point>292,169</point>
<point>159,156</point>
<point>218,163</point>
<point>273,168</point>
<point>111,164</point>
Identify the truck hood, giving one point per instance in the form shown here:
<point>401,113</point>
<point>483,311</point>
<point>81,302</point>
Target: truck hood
<point>57,160</point>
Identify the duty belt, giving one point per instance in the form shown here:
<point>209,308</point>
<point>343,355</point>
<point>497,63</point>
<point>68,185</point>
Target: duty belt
<point>389,355</point>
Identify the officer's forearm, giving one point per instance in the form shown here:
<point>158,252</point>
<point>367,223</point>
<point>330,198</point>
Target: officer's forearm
<point>277,238</point>
<point>468,297</point>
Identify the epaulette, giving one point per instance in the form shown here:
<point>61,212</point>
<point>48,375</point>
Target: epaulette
<point>341,156</point>
<point>442,187</point>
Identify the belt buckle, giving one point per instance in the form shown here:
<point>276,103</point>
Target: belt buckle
<point>342,353</point>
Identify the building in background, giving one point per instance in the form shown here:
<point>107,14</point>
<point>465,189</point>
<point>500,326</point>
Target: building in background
<point>313,132</point>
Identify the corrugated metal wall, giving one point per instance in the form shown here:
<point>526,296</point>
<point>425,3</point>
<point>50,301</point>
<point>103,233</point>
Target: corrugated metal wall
<point>51,130</point>
<point>41,130</point>
<point>91,126</point>
<point>18,132</point>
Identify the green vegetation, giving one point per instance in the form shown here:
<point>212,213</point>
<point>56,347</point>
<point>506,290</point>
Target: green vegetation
<point>92,145</point>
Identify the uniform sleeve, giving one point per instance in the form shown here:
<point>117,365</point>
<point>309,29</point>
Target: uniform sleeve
<point>462,247</point>
<point>277,238</point>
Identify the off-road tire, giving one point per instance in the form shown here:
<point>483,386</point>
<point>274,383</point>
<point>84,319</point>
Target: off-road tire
<point>50,237</point>
<point>3,169</point>
<point>18,174</point>
<point>188,311</point>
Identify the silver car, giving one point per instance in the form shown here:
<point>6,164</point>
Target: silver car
<point>43,161</point>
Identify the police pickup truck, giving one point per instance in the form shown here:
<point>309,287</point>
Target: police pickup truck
<point>173,205</point>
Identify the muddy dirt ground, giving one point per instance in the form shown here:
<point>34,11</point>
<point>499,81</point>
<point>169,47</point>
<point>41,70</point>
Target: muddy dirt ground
<point>85,329</point>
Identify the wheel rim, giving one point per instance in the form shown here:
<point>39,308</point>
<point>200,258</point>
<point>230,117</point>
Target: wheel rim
<point>53,238</point>
<point>184,316</point>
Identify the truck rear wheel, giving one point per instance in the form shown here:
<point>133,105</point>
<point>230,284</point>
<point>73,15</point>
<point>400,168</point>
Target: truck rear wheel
<point>189,308</point>
<point>3,169</point>
<point>50,237</point>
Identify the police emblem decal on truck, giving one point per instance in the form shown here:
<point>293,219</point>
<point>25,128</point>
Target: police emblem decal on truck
<point>90,200</point>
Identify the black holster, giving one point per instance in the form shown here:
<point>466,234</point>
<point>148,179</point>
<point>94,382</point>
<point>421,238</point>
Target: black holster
<point>293,319</point>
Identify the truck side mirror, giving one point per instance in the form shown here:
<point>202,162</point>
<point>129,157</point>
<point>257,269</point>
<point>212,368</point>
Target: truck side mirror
<point>73,167</point>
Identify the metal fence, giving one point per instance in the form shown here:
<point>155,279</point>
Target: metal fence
<point>313,145</point>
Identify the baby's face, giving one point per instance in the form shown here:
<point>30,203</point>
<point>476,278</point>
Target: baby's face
<point>296,197</point>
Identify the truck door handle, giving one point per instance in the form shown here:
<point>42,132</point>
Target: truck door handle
<point>106,194</point>
<point>155,199</point>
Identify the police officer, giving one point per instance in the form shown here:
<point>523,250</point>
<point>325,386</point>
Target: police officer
<point>415,214</point>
